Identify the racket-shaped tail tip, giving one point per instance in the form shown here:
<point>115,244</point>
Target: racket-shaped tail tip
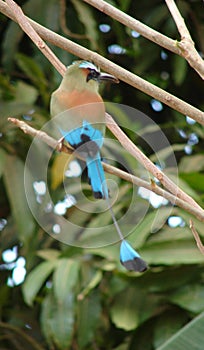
<point>130,259</point>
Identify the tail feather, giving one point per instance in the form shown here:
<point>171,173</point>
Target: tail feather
<point>97,177</point>
<point>130,259</point>
<point>89,140</point>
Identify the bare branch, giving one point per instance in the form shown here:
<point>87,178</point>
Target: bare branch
<point>112,68</point>
<point>186,45</point>
<point>27,129</point>
<point>110,123</point>
<point>177,197</point>
<point>185,48</point>
<point>199,214</point>
<point>197,237</point>
<point>136,25</point>
<point>28,29</point>
<point>146,162</point>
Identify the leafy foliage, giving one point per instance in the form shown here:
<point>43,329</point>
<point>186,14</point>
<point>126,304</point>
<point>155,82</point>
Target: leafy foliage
<point>74,298</point>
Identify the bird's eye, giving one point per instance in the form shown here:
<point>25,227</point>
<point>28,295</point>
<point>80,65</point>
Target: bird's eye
<point>93,74</point>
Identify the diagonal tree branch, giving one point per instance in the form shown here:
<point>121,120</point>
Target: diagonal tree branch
<point>112,68</point>
<point>185,48</point>
<point>196,236</point>
<point>178,195</point>
<point>186,44</point>
<point>142,158</point>
<point>134,24</point>
<point>60,147</point>
<point>28,29</point>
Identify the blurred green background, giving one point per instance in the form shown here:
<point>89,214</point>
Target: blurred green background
<point>55,296</point>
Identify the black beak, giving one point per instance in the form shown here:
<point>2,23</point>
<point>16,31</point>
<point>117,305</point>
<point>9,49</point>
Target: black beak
<point>103,77</point>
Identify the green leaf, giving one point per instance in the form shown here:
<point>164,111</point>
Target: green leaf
<point>184,185</point>
<point>166,152</point>
<point>88,317</point>
<point>167,324</point>
<point>195,180</point>
<point>13,109</point>
<point>48,254</point>
<point>57,321</point>
<point>25,93</point>
<point>190,297</point>
<point>170,253</point>
<point>170,278</point>
<point>95,280</point>
<point>35,73</point>
<point>189,337</point>
<point>124,312</point>
<point>171,234</point>
<point>65,278</point>
<point>152,222</point>
<point>10,43</point>
<point>124,5</point>
<point>195,162</point>
<point>111,252</point>
<point>2,161</point>
<point>35,280</point>
<point>14,180</point>
<point>179,69</point>
<point>132,307</point>
<point>87,18</point>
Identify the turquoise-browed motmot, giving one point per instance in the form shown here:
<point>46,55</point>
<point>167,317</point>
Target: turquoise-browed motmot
<point>78,99</point>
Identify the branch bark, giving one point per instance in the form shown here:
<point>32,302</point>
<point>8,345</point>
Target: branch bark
<point>132,23</point>
<point>197,237</point>
<point>60,147</point>
<point>185,48</point>
<point>110,67</point>
<point>28,29</point>
<point>186,44</point>
<point>177,195</point>
<point>137,154</point>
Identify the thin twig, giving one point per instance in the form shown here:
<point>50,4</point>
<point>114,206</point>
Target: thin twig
<point>146,162</point>
<point>116,130</point>
<point>134,24</point>
<point>27,129</point>
<point>111,169</point>
<point>197,237</point>
<point>185,48</point>
<point>63,24</point>
<point>112,68</point>
<point>186,44</point>
<point>28,29</point>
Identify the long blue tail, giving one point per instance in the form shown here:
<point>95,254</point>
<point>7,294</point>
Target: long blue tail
<point>88,141</point>
<point>97,177</point>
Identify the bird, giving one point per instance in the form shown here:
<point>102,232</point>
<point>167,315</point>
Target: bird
<point>78,102</point>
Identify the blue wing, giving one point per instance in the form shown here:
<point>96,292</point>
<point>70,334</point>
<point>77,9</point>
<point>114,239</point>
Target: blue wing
<point>130,259</point>
<point>88,141</point>
<point>84,134</point>
<point>72,137</point>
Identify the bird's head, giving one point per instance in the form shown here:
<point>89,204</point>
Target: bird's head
<point>84,74</point>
